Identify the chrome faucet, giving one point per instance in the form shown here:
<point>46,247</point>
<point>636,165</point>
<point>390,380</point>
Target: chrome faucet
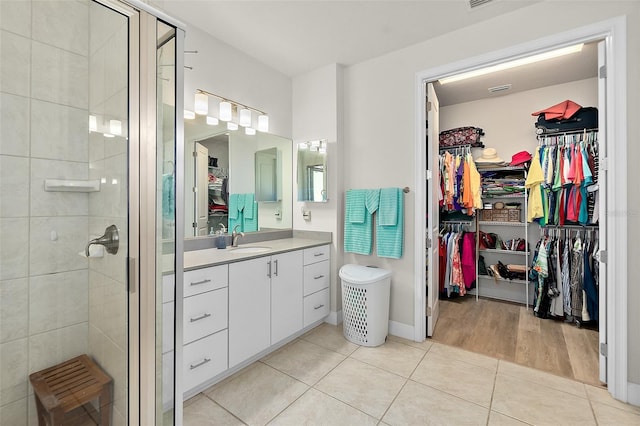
<point>235,235</point>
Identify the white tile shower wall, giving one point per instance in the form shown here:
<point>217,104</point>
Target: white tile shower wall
<point>44,134</point>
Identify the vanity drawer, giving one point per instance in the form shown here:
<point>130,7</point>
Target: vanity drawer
<point>316,254</point>
<point>204,359</point>
<point>316,277</point>
<point>316,306</point>
<point>205,279</point>
<point>204,314</point>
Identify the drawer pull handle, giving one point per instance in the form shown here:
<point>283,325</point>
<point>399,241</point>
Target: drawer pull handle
<point>201,282</point>
<point>203,362</point>
<point>317,277</point>
<point>203,316</point>
<point>319,306</point>
<point>318,254</point>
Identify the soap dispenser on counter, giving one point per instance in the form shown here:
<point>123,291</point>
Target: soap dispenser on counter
<point>221,237</point>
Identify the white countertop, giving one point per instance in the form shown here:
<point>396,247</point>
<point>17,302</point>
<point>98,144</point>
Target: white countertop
<point>210,257</point>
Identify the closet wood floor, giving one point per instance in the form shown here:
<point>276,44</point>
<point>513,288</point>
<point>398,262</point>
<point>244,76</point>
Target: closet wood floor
<point>511,332</point>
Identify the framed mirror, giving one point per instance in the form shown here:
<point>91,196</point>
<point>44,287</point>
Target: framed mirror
<point>223,166</point>
<point>312,171</point>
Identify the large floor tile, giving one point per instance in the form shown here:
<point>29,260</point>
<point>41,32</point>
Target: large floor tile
<point>330,337</point>
<point>425,345</point>
<point>362,386</point>
<point>201,411</point>
<point>602,395</point>
<point>304,361</point>
<point>462,355</point>
<point>257,394</point>
<point>539,405</point>
<point>394,357</point>
<point>542,378</point>
<point>317,408</point>
<point>608,415</point>
<point>418,404</point>
<point>498,419</point>
<point>458,378</point>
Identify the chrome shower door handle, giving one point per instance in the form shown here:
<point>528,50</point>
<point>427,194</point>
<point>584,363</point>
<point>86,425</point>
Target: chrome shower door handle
<point>110,240</point>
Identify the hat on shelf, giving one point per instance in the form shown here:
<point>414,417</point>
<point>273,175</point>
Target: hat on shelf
<point>520,158</point>
<point>490,156</point>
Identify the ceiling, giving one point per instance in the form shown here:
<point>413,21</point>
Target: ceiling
<point>298,36</point>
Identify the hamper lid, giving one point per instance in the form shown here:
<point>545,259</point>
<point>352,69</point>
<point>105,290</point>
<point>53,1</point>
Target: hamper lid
<point>359,274</point>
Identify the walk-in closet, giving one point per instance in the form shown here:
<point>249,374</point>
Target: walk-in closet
<point>519,243</point>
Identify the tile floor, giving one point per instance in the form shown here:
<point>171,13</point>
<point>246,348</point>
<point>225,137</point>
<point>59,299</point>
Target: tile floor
<point>322,379</point>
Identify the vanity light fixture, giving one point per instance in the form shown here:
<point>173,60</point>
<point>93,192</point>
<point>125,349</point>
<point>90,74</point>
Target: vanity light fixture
<point>515,63</point>
<point>302,146</point>
<point>93,123</point>
<point>225,113</point>
<point>115,127</point>
<point>189,115</point>
<point>212,121</point>
<point>232,126</point>
<point>245,117</point>
<point>319,145</point>
<point>263,123</point>
<point>249,131</point>
<point>229,108</point>
<point>201,104</point>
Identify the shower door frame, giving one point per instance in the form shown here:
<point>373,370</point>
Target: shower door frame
<point>142,214</point>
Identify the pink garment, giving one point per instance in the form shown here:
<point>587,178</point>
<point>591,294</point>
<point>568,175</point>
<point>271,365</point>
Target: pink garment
<point>457,278</point>
<point>469,259</point>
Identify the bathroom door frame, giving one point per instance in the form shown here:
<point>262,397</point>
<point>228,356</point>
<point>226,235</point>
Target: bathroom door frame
<point>614,33</point>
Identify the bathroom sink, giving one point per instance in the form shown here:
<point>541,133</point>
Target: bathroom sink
<point>248,250</point>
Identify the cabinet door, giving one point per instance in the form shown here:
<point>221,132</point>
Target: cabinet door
<point>286,295</point>
<point>249,309</point>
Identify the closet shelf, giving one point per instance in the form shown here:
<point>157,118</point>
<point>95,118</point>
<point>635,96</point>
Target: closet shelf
<point>508,195</point>
<point>502,223</point>
<point>505,251</point>
<point>489,277</point>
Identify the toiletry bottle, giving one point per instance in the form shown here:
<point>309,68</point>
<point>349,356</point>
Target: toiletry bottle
<point>221,238</point>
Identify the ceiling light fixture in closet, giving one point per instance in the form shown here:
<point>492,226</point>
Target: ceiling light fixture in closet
<point>512,64</point>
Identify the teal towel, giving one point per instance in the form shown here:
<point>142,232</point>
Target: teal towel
<point>390,238</point>
<point>356,205</point>
<point>168,197</point>
<point>239,220</point>
<point>372,200</point>
<point>358,236</point>
<point>241,205</point>
<point>233,208</point>
<point>248,206</point>
<point>388,212</point>
<point>251,223</point>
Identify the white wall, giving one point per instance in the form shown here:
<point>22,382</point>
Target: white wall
<point>317,114</point>
<point>507,121</point>
<point>380,123</point>
<point>219,68</point>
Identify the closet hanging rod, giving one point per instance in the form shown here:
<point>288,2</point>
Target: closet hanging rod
<point>458,222</point>
<point>570,132</point>
<point>587,227</point>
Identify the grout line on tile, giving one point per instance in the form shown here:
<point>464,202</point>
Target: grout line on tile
<point>234,416</point>
<point>493,391</point>
<point>394,399</point>
<point>449,393</point>
<point>347,404</point>
<point>287,407</point>
<point>593,412</point>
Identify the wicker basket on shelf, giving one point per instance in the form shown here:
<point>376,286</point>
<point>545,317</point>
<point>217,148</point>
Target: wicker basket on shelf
<point>500,215</point>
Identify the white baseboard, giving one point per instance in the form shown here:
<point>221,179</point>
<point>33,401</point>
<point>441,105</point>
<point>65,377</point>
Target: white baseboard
<point>633,393</point>
<point>334,318</point>
<point>399,329</point>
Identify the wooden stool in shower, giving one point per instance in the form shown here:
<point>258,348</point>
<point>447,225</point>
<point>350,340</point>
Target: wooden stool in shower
<point>64,393</point>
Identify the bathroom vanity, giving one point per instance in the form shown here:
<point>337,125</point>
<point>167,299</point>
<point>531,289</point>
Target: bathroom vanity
<point>242,303</point>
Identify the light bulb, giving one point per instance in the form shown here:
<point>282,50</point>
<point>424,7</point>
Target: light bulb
<point>245,117</point>
<point>263,123</point>
<point>302,146</point>
<point>225,111</point>
<point>249,131</point>
<point>115,127</point>
<point>232,126</point>
<point>212,121</point>
<point>93,123</point>
<point>201,105</point>
<point>189,115</point>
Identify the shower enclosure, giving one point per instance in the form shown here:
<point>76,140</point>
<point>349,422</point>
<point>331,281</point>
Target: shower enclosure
<point>87,134</point>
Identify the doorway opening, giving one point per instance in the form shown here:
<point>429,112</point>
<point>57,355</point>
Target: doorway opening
<point>611,111</point>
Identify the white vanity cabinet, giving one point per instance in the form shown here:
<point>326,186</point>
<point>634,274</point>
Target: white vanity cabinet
<point>317,278</point>
<point>265,303</point>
